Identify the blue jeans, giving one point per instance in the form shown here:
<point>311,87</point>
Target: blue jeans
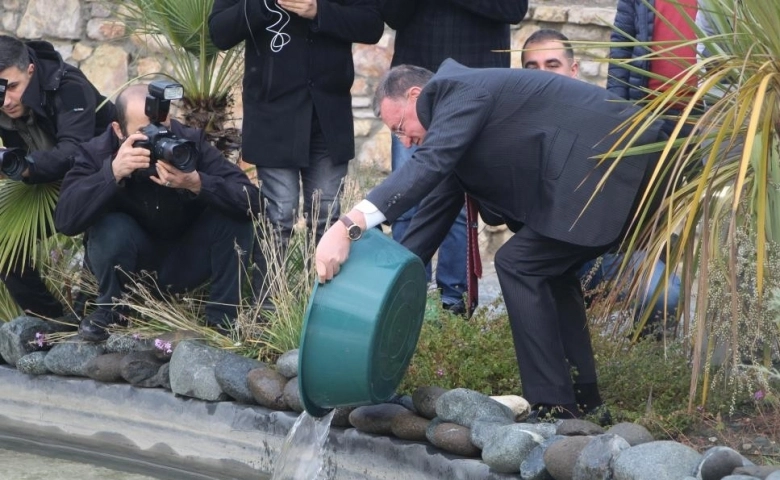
<point>610,265</point>
<point>281,190</point>
<point>451,264</point>
<point>206,251</point>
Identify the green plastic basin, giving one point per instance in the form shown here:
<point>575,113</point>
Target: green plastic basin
<point>361,328</point>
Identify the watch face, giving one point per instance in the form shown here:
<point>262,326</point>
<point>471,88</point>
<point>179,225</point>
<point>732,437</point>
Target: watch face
<point>354,232</point>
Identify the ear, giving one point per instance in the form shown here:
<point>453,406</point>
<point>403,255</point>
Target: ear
<point>414,92</point>
<point>117,131</point>
<point>575,69</point>
<point>30,69</point>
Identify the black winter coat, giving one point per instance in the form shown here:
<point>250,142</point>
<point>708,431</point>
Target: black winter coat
<point>313,73</point>
<point>64,102</point>
<point>635,19</point>
<point>90,191</point>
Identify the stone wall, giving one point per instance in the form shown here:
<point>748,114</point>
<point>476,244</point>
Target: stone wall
<point>86,35</point>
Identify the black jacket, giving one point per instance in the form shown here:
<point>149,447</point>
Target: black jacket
<point>89,190</point>
<point>64,102</point>
<point>430,31</point>
<point>634,21</point>
<point>312,73</point>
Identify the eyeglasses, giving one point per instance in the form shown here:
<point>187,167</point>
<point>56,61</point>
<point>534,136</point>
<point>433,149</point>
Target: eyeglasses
<point>398,131</point>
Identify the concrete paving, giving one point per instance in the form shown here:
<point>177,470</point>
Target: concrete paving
<point>168,437</point>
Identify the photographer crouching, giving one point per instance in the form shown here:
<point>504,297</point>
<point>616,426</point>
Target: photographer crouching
<point>154,195</point>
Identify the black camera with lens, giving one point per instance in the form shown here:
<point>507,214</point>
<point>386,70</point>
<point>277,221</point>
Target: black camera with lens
<point>160,141</point>
<point>3,86</point>
<point>13,162</point>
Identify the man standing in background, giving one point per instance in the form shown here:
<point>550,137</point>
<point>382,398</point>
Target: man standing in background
<point>427,33</point>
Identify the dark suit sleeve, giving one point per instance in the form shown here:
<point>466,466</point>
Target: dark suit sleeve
<point>224,186</point>
<point>87,190</point>
<point>434,218</point>
<point>233,21</point>
<point>398,13</point>
<point>75,105</point>
<point>458,113</point>
<point>356,21</point>
<point>625,31</point>
<point>504,11</point>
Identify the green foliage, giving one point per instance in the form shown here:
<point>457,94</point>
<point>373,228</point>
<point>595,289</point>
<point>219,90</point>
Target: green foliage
<point>456,353</point>
<point>180,29</point>
<point>27,214</point>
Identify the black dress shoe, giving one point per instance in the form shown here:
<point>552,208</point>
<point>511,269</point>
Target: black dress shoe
<point>457,308</point>
<point>94,327</point>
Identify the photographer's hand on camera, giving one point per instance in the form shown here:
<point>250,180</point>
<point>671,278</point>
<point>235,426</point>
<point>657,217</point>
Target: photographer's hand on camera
<point>129,158</point>
<point>171,177</point>
<point>303,8</point>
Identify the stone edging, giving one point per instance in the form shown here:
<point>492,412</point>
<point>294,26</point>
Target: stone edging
<point>196,439</point>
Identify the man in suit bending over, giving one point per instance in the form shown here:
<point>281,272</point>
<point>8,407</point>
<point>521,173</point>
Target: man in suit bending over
<point>522,143</point>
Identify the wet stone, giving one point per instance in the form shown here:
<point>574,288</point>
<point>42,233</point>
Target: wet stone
<point>341,417</point>
<point>140,368</point>
<point>409,426</point>
<point>287,364</point>
<point>376,419</point>
<point>105,368</point>
<point>633,433</point>
<point>192,371</point>
<point>424,399</point>
<point>164,376</point>
<point>292,396</point>
<point>267,387</point>
<point>33,364</point>
<point>561,456</point>
<point>231,373</point>
<point>454,438</point>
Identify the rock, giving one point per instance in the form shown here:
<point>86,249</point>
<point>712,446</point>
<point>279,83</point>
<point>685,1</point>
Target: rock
<point>164,344</point>
<point>409,426</point>
<point>516,403</point>
<point>435,422</point>
<point>561,456</point>
<point>756,471</point>
<point>463,406</point>
<point>107,68</point>
<point>424,399</point>
<point>287,364</point>
<point>267,387</point>
<point>574,426</point>
<point>508,448</point>
<point>33,364</point>
<point>744,477</point>
<point>292,396</point>
<point>42,19</point>
<point>18,337</point>
<point>454,438</point>
<point>595,460</point>
<point>543,429</point>
<point>633,433</point>
<point>140,368</point>
<point>404,401</point>
<point>773,476</point>
<point>376,418</point>
<point>71,358</point>
<point>117,343</point>
<point>717,462</point>
<point>192,371</point>
<point>231,372</point>
<point>164,376</point>
<point>105,368</point>
<point>485,428</point>
<point>533,467</point>
<point>341,417</point>
<point>658,460</point>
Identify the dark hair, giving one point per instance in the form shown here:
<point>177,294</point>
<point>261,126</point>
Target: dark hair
<point>548,35</point>
<point>397,81</point>
<point>122,99</point>
<point>13,53</point>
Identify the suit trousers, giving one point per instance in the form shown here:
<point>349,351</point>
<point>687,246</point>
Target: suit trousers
<point>543,296</point>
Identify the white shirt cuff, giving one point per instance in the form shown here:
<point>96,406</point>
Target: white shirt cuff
<point>372,214</point>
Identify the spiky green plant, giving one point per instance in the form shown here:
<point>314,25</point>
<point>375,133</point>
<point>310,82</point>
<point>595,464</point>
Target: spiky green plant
<point>723,177</point>
<point>180,29</point>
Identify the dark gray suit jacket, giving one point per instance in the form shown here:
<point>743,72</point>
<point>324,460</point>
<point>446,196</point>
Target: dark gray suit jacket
<point>523,142</point>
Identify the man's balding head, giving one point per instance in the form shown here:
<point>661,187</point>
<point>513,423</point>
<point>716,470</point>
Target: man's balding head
<point>130,108</point>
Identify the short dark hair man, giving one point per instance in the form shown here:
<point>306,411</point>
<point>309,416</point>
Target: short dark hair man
<point>50,107</point>
<point>189,227</point>
<point>522,142</point>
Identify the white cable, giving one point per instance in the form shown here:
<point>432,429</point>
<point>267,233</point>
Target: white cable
<point>280,39</point>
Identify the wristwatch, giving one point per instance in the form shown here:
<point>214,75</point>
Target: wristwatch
<point>354,232</point>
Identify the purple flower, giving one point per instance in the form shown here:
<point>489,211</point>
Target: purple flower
<point>759,395</point>
<point>136,336</point>
<point>40,339</point>
<point>440,372</point>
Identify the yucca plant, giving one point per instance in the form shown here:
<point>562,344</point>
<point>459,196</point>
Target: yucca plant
<point>180,29</point>
<point>720,184</point>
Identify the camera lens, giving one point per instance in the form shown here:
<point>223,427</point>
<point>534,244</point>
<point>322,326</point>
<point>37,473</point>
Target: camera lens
<point>177,152</point>
<point>12,163</point>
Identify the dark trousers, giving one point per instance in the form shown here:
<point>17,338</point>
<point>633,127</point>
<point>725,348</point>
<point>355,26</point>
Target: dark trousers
<point>26,287</point>
<point>214,248</point>
<point>546,311</point>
